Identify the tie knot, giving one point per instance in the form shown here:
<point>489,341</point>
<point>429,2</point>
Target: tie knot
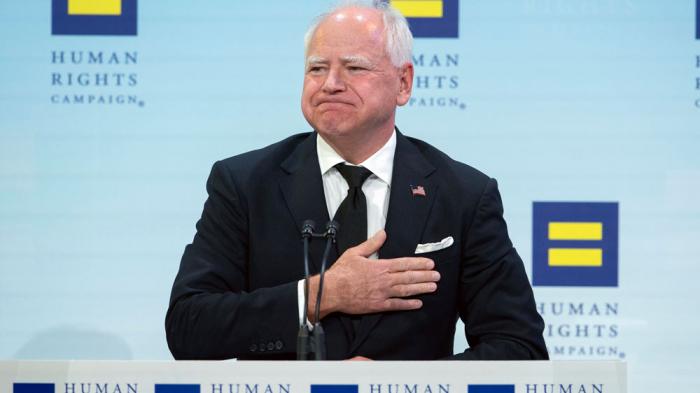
<point>354,175</point>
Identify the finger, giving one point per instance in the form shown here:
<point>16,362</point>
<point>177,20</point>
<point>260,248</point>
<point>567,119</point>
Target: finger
<point>394,304</point>
<point>369,246</point>
<point>406,290</point>
<point>409,263</point>
<point>414,277</point>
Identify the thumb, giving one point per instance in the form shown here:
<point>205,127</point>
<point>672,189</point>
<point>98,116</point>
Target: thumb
<point>369,246</point>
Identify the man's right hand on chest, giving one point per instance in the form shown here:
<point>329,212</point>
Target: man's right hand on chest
<point>356,284</point>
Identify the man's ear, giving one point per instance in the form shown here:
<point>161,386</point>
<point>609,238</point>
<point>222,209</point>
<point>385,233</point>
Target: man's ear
<point>405,84</point>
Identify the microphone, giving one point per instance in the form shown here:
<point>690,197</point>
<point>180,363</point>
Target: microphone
<point>332,228</point>
<point>307,229</point>
<point>318,333</point>
<point>318,343</point>
<point>307,232</point>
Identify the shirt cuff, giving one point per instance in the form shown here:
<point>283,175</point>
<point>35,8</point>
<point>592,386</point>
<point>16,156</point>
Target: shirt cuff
<point>300,305</point>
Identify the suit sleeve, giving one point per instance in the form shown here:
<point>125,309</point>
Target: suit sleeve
<point>213,314</point>
<point>496,300</point>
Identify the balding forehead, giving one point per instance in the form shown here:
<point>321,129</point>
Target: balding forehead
<point>382,24</point>
<point>372,19</point>
<point>358,14</point>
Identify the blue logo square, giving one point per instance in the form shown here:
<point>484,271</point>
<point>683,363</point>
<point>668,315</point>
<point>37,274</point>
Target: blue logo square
<point>33,388</point>
<point>697,19</point>
<point>176,388</point>
<point>117,17</point>
<point>491,389</point>
<point>334,388</point>
<point>575,244</point>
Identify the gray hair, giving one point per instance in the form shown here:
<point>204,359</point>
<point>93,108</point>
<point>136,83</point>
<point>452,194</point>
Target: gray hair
<point>399,40</point>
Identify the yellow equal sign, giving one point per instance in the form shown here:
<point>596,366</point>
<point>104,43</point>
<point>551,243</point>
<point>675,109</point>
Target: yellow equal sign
<point>575,231</point>
<point>94,7</point>
<point>419,8</point>
<point>580,257</point>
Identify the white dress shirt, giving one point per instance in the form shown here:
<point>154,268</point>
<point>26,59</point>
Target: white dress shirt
<point>376,189</point>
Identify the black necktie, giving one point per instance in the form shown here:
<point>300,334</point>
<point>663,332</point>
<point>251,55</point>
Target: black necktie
<point>352,217</point>
<point>352,212</point>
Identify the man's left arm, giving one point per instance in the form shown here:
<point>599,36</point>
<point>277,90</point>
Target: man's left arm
<point>496,300</point>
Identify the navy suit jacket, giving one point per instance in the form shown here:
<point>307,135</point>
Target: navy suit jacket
<point>235,294</point>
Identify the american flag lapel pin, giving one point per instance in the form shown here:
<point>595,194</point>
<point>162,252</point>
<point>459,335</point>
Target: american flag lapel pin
<point>417,191</point>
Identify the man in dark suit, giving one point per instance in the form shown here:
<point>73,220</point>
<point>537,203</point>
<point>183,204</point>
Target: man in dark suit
<point>422,240</point>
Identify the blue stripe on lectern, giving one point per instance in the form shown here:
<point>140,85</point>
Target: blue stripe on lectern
<point>491,389</point>
<point>334,389</point>
<point>33,388</point>
<point>176,388</point>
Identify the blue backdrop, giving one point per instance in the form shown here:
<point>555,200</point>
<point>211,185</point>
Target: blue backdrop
<point>106,142</point>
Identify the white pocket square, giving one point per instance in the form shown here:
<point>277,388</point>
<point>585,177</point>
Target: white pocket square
<point>430,247</point>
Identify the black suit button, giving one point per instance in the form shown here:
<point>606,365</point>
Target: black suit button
<point>270,346</point>
<point>279,345</point>
<point>253,348</point>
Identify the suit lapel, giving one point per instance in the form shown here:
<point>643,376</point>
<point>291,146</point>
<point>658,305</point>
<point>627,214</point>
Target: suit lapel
<point>407,213</point>
<point>303,193</point>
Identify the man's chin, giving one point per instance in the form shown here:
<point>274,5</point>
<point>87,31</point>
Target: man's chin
<point>333,129</point>
<point>332,134</point>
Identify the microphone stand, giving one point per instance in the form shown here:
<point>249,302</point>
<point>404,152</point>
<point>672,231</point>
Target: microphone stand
<point>317,344</point>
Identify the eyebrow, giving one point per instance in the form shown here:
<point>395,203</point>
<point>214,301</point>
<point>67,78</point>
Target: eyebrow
<point>360,60</point>
<point>315,60</point>
<point>352,59</point>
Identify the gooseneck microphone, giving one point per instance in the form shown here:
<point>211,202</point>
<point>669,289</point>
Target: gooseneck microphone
<point>307,232</point>
<point>318,343</point>
<point>319,334</point>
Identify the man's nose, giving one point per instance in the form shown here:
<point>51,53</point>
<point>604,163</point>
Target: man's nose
<point>334,81</point>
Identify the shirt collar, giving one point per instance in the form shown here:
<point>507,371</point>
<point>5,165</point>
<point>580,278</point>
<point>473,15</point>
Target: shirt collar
<point>381,163</point>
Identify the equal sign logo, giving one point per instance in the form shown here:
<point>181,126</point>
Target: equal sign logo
<point>176,388</point>
<point>431,18</point>
<point>33,388</point>
<point>334,388</point>
<point>491,389</point>
<point>697,19</point>
<point>575,244</point>
<point>93,17</point>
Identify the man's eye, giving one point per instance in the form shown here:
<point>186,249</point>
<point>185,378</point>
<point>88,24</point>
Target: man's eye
<point>315,69</point>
